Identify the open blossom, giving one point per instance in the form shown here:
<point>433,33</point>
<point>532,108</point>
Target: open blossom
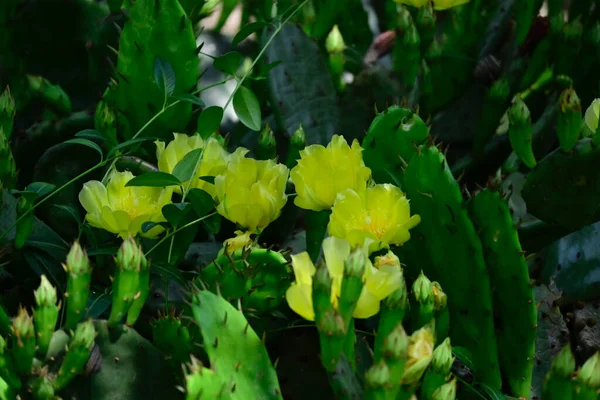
<point>122,210</point>
<point>380,213</point>
<point>592,114</point>
<point>380,280</point>
<point>251,193</point>
<point>214,158</point>
<point>323,172</point>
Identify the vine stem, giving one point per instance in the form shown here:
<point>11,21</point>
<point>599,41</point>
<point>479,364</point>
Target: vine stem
<point>262,51</point>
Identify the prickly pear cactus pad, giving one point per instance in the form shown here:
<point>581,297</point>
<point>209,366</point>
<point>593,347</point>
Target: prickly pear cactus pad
<point>446,247</point>
<point>156,59</point>
<point>236,353</point>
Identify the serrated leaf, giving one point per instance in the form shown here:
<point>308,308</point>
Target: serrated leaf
<point>247,108</point>
<point>189,98</point>
<point>164,76</point>
<point>186,168</point>
<point>154,179</point>
<point>248,30</point>
<point>87,143</point>
<point>228,63</point>
<point>209,121</point>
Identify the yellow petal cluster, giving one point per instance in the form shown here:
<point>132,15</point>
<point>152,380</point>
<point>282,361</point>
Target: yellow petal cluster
<point>380,213</point>
<point>251,193</point>
<point>420,353</point>
<point>323,172</point>
<point>214,158</point>
<point>241,241</point>
<point>437,4</point>
<point>378,282</point>
<point>592,115</point>
<point>122,210</point>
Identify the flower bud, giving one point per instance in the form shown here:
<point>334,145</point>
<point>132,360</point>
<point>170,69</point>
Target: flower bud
<point>45,295</point>
<point>422,289</point>
<point>322,299</point>
<point>335,42</point>
<point>442,358</point>
<point>395,345</point>
<point>420,353</point>
<point>569,120</point>
<point>378,375</point>
<point>267,147</point>
<point>78,353</point>
<point>564,363</point>
<point>241,241</point>
<point>23,341</point>
<point>439,296</point>
<point>129,256</point>
<point>589,374</point>
<point>446,391</point>
<point>7,112</point>
<point>77,261</point>
<point>355,263</point>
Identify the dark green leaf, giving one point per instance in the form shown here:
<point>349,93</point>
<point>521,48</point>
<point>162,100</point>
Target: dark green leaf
<point>189,98</point>
<point>72,211</point>
<point>164,76</point>
<point>155,179</point>
<point>264,73</point>
<point>41,188</point>
<point>248,30</point>
<point>88,143</point>
<point>213,224</point>
<point>228,63</point>
<point>91,134</point>
<point>98,303</point>
<point>176,212</point>
<point>186,168</point>
<point>43,264</point>
<point>247,108</point>
<point>202,202</point>
<point>146,226</point>
<point>209,179</point>
<point>209,121</point>
<point>130,143</point>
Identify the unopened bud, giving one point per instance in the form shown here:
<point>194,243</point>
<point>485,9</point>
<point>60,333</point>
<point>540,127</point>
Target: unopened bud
<point>77,261</point>
<point>378,375</point>
<point>355,264</point>
<point>84,335</point>
<point>130,255</point>
<point>422,289</point>
<point>445,392</point>
<point>564,363</point>
<point>442,358</point>
<point>23,324</point>
<point>395,345</point>
<point>440,299</point>
<point>45,295</point>
<point>589,374</point>
<point>335,42</point>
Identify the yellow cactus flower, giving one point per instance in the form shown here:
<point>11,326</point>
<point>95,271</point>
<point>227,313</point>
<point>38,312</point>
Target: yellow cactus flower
<point>420,353</point>
<point>122,210</point>
<point>380,213</point>
<point>251,193</point>
<point>214,159</point>
<point>437,4</point>
<point>323,172</point>
<point>241,241</point>
<point>379,282</point>
<point>592,115</point>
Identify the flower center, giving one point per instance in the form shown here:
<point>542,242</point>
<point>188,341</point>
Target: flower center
<point>136,206</point>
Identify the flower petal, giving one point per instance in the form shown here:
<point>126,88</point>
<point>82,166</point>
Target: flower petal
<point>299,298</point>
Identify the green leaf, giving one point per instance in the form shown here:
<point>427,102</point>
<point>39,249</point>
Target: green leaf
<point>146,226</point>
<point>154,179</point>
<point>209,121</point>
<point>189,98</point>
<point>247,108</point>
<point>209,179</point>
<point>186,168</point>
<point>248,30</point>
<point>202,202</point>
<point>91,134</point>
<point>88,143</point>
<point>130,143</point>
<point>164,76</point>
<point>176,212</point>
<point>228,63</point>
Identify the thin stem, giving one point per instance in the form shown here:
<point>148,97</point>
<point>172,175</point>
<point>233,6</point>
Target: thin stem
<point>194,222</point>
<point>262,51</point>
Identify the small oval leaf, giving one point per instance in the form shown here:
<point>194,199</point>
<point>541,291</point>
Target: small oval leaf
<point>154,179</point>
<point>186,168</point>
<point>130,143</point>
<point>247,108</point>
<point>209,121</point>
<point>248,30</point>
<point>228,62</point>
<point>41,188</point>
<point>189,98</point>
<point>87,143</point>
<point>164,76</point>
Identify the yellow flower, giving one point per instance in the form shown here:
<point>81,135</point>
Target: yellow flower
<point>378,282</point>
<point>380,213</point>
<point>323,172</point>
<point>420,353</point>
<point>239,242</point>
<point>437,4</point>
<point>122,210</point>
<point>592,114</point>
<point>251,192</point>
<point>214,159</point>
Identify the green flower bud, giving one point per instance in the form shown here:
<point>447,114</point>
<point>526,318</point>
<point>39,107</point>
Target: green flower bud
<point>564,363</point>
<point>569,119</point>
<point>331,323</point>
<point>105,121</point>
<point>422,289</point>
<point>297,143</point>
<point>589,374</point>
<point>77,261</point>
<point>378,375</point>
<point>42,386</point>
<point>78,353</point>
<point>420,353</point>
<point>520,132</point>
<point>267,147</point>
<point>395,345</point>
<point>335,42</point>
<point>398,299</point>
<point>322,291</point>
<point>84,335</point>
<point>45,295</point>
<point>8,371</point>
<point>355,263</point>
<point>128,282</point>
<point>129,256</point>
<point>439,296</point>
<point>23,341</point>
<point>7,112</point>
<point>446,391</point>
<point>442,358</point>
